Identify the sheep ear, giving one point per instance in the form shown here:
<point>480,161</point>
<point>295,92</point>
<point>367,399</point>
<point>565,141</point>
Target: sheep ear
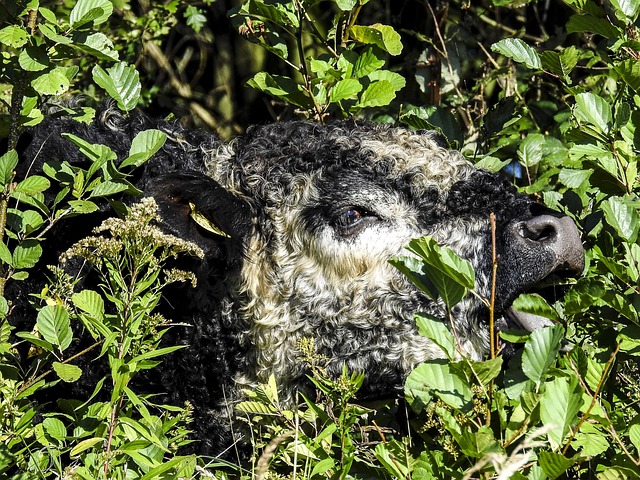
<point>195,207</point>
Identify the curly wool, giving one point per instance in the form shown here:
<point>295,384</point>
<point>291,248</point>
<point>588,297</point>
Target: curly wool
<point>311,215</point>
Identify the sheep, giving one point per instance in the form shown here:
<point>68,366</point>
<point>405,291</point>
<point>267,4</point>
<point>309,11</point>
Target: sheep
<point>307,217</point>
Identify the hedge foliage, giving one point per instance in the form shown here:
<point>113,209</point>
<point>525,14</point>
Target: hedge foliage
<point>546,91</point>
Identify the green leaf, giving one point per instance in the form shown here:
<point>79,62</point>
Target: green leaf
<point>5,254</point>
<point>622,217</point>
<point>83,206</point>
<point>67,372</point>
<point>531,149</point>
<point>55,428</point>
<point>54,82</point>
<point>629,8</point>
<point>108,188</point>
<point>518,51</point>
<point>450,275</point>
<point>90,302</point>
<point>281,87</point>
<point>144,146</point>
<point>13,36</point>
<point>393,78</point>
<point>383,36</point>
<point>195,18</point>
<point>33,59</point>
<point>634,436</point>
<point>54,326</point>
<point>85,11</point>
<point>27,254</point>
<point>540,351</point>
<point>487,370</point>
<point>99,154</point>
<point>629,72</point>
<point>32,185</point>
<point>574,178</point>
<point>589,23</point>
<point>437,377</point>
<point>85,444</point>
<point>377,94</point>
<point>121,83</point>
<point>346,6</point>
<point>8,163</point>
<point>51,34</point>
<point>345,89</point>
<point>559,406</point>
<point>560,63</point>
<point>554,464</point>
<point>435,330</point>
<point>594,110</point>
<point>96,44</point>
<point>535,304</point>
<point>368,61</point>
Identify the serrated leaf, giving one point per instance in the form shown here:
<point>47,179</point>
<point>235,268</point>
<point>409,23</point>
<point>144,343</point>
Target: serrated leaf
<point>535,304</point>
<point>8,163</point>
<point>629,72</point>
<point>437,377</point>
<point>54,82</point>
<point>540,351</point>
<point>594,110</point>
<point>52,35</point>
<point>54,326</point>
<point>27,254</point>
<point>450,276</point>
<point>531,149</point>
<point>280,87</point>
<point>91,302</point>
<point>110,187</point>
<point>5,254</point>
<point>85,11</point>
<point>83,206</point>
<point>345,89</point>
<point>377,94</point>
<point>33,59</point>
<point>144,145</point>
<point>366,63</point>
<point>560,63</point>
<point>435,330</point>
<point>487,370</point>
<point>629,8</point>
<point>395,79</point>
<point>588,23</point>
<point>121,82</point>
<point>255,408</point>
<point>96,44</point>
<point>13,36</point>
<point>55,428</point>
<point>622,217</point>
<point>383,36</point>
<point>554,464</point>
<point>559,407</point>
<point>67,372</point>
<point>518,51</point>
<point>32,185</point>
<point>574,178</point>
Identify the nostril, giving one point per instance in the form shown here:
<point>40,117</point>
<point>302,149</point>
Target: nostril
<point>539,229</point>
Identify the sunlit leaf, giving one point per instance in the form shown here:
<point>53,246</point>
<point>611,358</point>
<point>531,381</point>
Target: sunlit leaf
<point>518,51</point>
<point>540,351</point>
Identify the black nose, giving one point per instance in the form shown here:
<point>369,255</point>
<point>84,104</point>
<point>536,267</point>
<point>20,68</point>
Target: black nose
<point>558,235</point>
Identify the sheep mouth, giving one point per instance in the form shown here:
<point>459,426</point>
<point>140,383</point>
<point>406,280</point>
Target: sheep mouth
<point>551,289</point>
